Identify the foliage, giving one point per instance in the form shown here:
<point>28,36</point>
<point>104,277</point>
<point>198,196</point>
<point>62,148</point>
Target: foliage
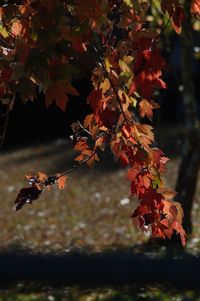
<point>41,44</point>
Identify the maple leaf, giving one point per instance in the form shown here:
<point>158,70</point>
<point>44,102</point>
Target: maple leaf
<point>173,210</point>
<point>27,195</point>
<point>37,180</point>
<point>134,171</point>
<point>145,109</point>
<point>147,60</point>
<point>144,135</point>
<point>123,157</point>
<point>81,145</point>
<point>179,230</point>
<point>100,142</point>
<point>174,214</point>
<point>17,28</point>
<point>128,133</point>
<point>88,120</point>
<point>148,67</point>
<point>93,157</point>
<point>195,7</point>
<point>157,159</point>
<point>168,194</point>
<point>146,82</point>
<point>94,99</point>
<point>141,186</point>
<point>41,176</point>
<point>105,85</point>
<point>61,181</point>
<point>58,91</point>
<point>108,117</point>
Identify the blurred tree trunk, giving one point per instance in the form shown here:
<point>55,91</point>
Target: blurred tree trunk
<point>190,160</point>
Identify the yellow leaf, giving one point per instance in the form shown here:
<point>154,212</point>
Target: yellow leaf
<point>124,66</point>
<point>107,64</point>
<point>105,85</point>
<point>128,3</point>
<point>4,32</point>
<point>41,176</point>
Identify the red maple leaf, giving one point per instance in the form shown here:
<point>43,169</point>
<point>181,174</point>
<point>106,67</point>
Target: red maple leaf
<point>58,91</point>
<point>146,82</point>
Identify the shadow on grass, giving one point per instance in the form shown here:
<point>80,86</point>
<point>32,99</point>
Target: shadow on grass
<point>140,265</point>
<point>60,157</point>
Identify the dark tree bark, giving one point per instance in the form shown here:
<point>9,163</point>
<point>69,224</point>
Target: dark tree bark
<point>190,161</point>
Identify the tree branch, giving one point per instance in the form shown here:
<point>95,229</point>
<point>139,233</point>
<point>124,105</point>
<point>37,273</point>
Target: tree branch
<point>111,83</point>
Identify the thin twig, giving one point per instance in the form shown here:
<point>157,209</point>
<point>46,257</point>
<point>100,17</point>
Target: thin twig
<point>5,125</point>
<point>77,165</point>
<point>52,179</point>
<point>164,27</point>
<point>83,128</point>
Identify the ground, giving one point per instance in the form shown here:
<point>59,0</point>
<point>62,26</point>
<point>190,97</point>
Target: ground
<point>92,213</point>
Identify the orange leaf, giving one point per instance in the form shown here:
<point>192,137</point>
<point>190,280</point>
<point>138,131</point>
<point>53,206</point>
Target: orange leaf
<point>61,182</point>
<point>79,158</point>
<point>92,160</point>
<point>195,7</point>
<point>167,193</point>
<point>100,142</point>
<point>41,176</point>
<point>88,120</point>
<point>80,145</point>
<point>179,230</point>
<point>145,109</point>
<point>17,28</point>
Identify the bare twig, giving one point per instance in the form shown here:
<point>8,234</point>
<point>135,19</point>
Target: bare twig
<point>5,124</point>
<point>77,165</point>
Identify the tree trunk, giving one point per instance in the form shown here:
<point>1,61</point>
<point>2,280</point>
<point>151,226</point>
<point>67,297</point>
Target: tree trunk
<point>190,161</point>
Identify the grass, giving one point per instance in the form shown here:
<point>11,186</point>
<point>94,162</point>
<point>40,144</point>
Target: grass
<point>133,293</point>
<point>92,213</point>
